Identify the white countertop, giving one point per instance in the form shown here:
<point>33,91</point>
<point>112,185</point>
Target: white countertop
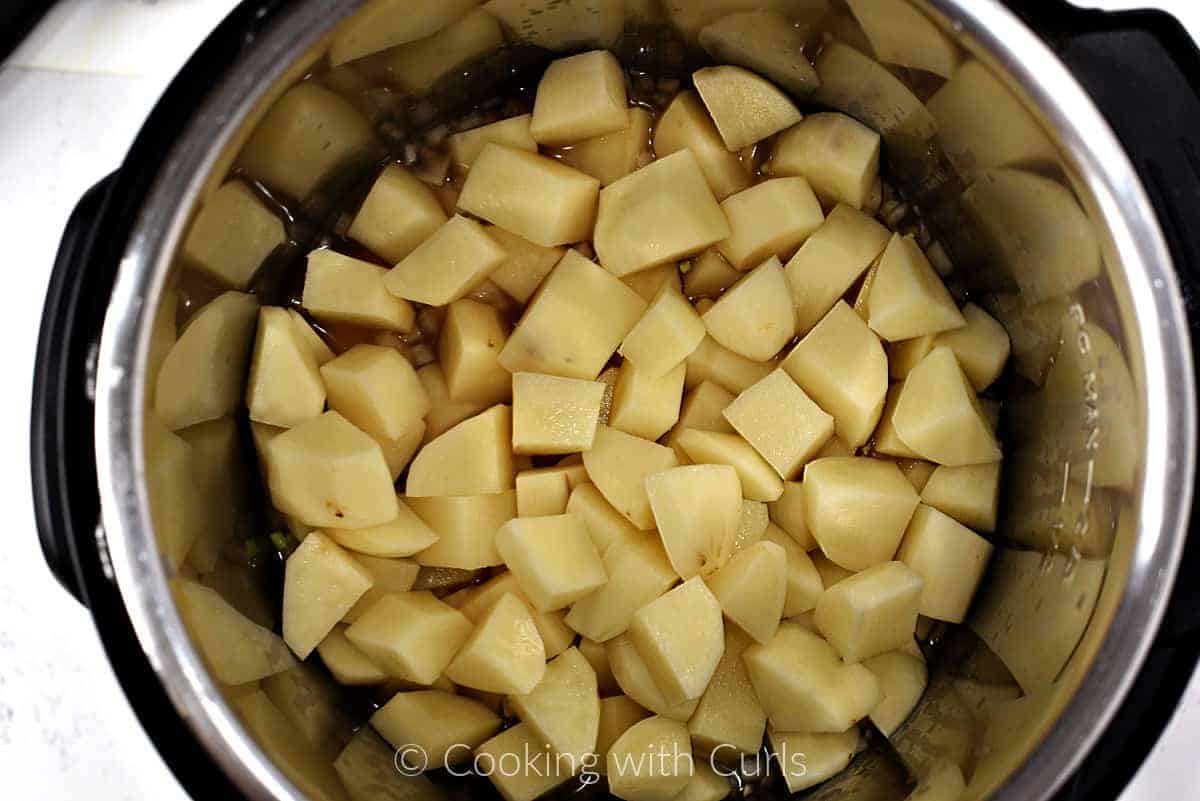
<point>71,100</point>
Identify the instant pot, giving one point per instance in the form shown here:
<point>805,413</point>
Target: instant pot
<point>1093,573</point>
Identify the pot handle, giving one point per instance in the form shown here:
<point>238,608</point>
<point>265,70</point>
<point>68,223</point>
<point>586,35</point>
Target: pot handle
<point>65,499</point>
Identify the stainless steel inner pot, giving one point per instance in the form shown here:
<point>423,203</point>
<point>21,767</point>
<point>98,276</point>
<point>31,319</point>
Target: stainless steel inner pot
<point>1026,190</point>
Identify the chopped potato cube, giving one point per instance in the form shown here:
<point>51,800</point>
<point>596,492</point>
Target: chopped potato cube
<point>639,572</point>
<point>871,612</point>
<point>513,132</point>
<point>532,196</point>
<point>807,760</point>
<point>788,514</point>
<point>321,584</point>
<point>235,648</point>
<point>469,346</point>
<point>473,458</point>
<point>697,510</point>
<point>685,125</point>
<point>745,107</point>
<point>766,42</point>
<point>444,413</point>
<point>554,415</point>
<point>837,154</point>
<point>525,266</point>
<point>729,720</point>
<point>377,389</point>
<point>417,66</point>
<point>887,441</point>
<point>596,654</point>
<point>232,235</point>
<point>447,265</point>
<point>804,581</point>
<point>404,536</point>
<point>612,156</point>
<point>903,678</point>
<point>399,213</point>
<point>970,494</point>
<point>617,714</point>
<point>311,340</point>
<point>284,388</point>
<point>348,665</point>
<point>709,275</point>
<point>553,559</point>
<point>574,323</point>
<point>755,318</point>
<point>906,354</point>
<point>412,635</point>
<point>644,406</point>
<point>939,417</point>
<point>542,492</point>
<point>340,289</point>
<point>752,524</point>
<point>981,347</point>
<point>782,423</point>
<point>387,575</point>
<point>466,526</point>
<point>504,653</point>
<point>564,708</point>
<point>474,601</point>
<point>908,298</point>
<point>534,769</point>
<point>648,283</point>
<point>580,97</point>
<point>636,681</point>
<point>385,24</point>
<point>440,723</point>
<point>618,464</point>
<point>752,588</point>
<point>680,636</point>
<point>759,480</point>
<point>605,524</point>
<point>668,333</point>
<point>651,761</point>
<point>949,557</point>
<point>772,218</point>
<point>656,215</point>
<point>711,361</point>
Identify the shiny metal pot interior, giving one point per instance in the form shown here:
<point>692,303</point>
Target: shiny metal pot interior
<point>1022,186</point>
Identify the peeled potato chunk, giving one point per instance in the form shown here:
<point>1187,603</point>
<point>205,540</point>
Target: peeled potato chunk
<point>377,389</point>
<point>903,678</point>
<point>708,275</point>
<point>542,492</point>
<point>605,524</point>
<point>326,472</point>
<point>618,464</point>
<point>442,724</point>
<point>235,648</point>
<point>902,35</point>
<point>745,107</point>
<point>564,708</point>
<point>970,494</point>
<point>473,458</point>
<point>532,196</point>
<point>802,580</point>
<point>580,97</point>
<point>685,125</point>
<point>513,132</point>
<point>871,612</point>
<point>617,714</point>
<point>729,721</point>
<point>651,761</point>
<point>759,480</point>
<point>949,557</point>
<point>668,333</point>
<point>232,235</point>
<point>321,583</point>
<point>908,299</point>
<point>400,213</point>
<point>635,679</point>
<point>411,635</point>
<point>755,318</point>
<point>855,83</point>
<point>284,388</point>
<point>680,636</point>
<point>612,156</point>
<point>788,514</point>
<point>711,361</point>
<point>837,154</point>
<point>827,696</point>
<point>553,415</point>
<point>772,218</point>
<point>525,266</point>
<point>781,422</point>
<point>807,760</point>
<point>347,664</point>
<point>385,24</point>
<point>387,576</point>
<point>476,600</point>
<point>447,265</point>
<point>697,509</point>
<point>340,289</point>
<point>533,767</point>
<point>638,572</point>
<point>887,441</point>
<point>752,588</point>
<point>981,346</point>
<point>857,509</point>
<point>842,366</point>
<point>504,653</point>
<point>752,524</point>
<point>469,346</point>
<point>417,66</point>
<point>574,323</point>
<point>466,526</point>
<point>553,559</point>
<point>643,406</point>
<point>706,784</point>
<point>939,417</point>
<point>656,215</point>
<point>766,42</point>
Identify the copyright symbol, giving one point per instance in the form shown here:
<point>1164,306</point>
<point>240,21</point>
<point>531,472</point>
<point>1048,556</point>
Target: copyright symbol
<point>411,760</point>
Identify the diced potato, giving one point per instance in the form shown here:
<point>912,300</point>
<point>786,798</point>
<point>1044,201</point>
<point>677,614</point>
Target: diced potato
<point>612,156</point>
<point>788,514</point>
<point>287,747</point>
<point>917,471</point>
<point>411,635</point>
<point>564,708</point>
<point>643,406</point>
<point>466,526</point>
<point>473,458</point>
<point>204,373</point>
<point>830,572</point>
<point>326,472</point>
<point>908,298</point>
<point>832,259</point>
<point>340,289</point>
<point>553,559</point>
<point>469,346</point>
<point>533,768</point>
<point>574,323</point>
<point>367,768</point>
<point>665,336</point>
<point>447,265</point>
<point>772,218</point>
<point>305,137</point>
<point>377,389</point>
<point>597,656</point>
<point>542,492</point>
<point>970,494</point>
<point>711,361</point>
<point>887,441</point>
<point>842,366</point>
<point>637,682</point>
<point>766,42</point>
<point>729,720</point>
<point>856,84</point>
<point>442,724</point>
<point>656,215</point>
<point>828,696</point>
<point>871,612</point>
<point>651,761</point>
<point>697,510</point>
<point>532,196</point>
<point>782,423</point>
<point>903,678</point>
<point>399,213</point>
<point>639,572</point>
<point>321,583</point>
<point>526,265</point>
<point>752,588</point>
<point>752,524</point>
<point>618,464</point>
<point>709,275</point>
<point>804,582</point>
<point>580,97</point>
<point>949,557</point>
<point>807,760</point>
<point>417,66</point>
<point>384,24</point>
<point>758,479</point>
<point>387,576</point>
<point>939,417</point>
<point>309,338</point>
<point>617,714</point>
<point>648,283</point>
<point>902,35</point>
<point>504,653</point>
<point>857,509</point>
<point>981,347</point>
<point>235,648</point>
<point>755,318</point>
<point>348,665</point>
<point>605,524</point>
<point>906,354</point>
<point>554,415</point>
<point>680,637</point>
<point>513,132</point>
<point>475,600</point>
<point>444,413</point>
<point>745,107</point>
<point>706,784</point>
<point>232,235</point>
<point>685,125</point>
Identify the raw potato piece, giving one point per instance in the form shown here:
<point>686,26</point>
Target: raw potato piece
<point>385,24</point>
<point>680,637</point>
<point>752,588</point>
<point>232,235</point>
<point>842,366</point>
<point>473,458</point>
<point>542,492</point>
<point>466,526</point>
<point>564,708</point>
<point>436,722</point>
<point>326,472</point>
<point>538,770</point>
<point>618,464</point>
<point>759,480</point>
<point>574,323</point>
<point>804,581</point>
<point>668,333</point>
<point>417,66</point>
<point>755,318</point>
<point>367,768</point>
<point>949,557</point>
<point>321,583</point>
<point>807,760</point>
<point>903,678</point>
<point>729,720</point>
<point>204,373</point>
<point>447,265</point>
<point>902,35</point>
<point>871,612</point>
<point>828,696</point>
<point>772,218</point>
<point>651,761</point>
<point>635,679</point>
<point>476,600</point>
<point>387,576</point>
<point>908,298</point>
<point>697,510</point>
<point>526,266</point>
<point>643,406</point>
<point>605,524</point>
<point>706,784</point>
<point>610,157</point>
<point>708,275</point>
<point>340,289</point>
<point>638,572</point>
<point>969,494</point>
<point>532,196</point>
<point>745,108</point>
<point>857,509</point>
<point>648,283</point>
<point>554,415</point>
<point>348,665</point>
<point>685,125</point>
<point>981,347</point>
<point>400,213</point>
<point>552,558</point>
<point>469,346</point>
<point>887,441</point>
<point>752,524</point>
<point>903,356</point>
<point>513,132</point>
<point>939,417</point>
<point>376,389</point>
<point>504,653</point>
<point>782,423</point>
<point>284,388</point>
<point>716,363</point>
<point>444,414</point>
<point>411,635</point>
<point>656,215</point>
<point>234,647</point>
<point>580,97</point>
<point>857,84</point>
<point>310,338</point>
<point>788,514</point>
<point>765,42</point>
<point>617,714</point>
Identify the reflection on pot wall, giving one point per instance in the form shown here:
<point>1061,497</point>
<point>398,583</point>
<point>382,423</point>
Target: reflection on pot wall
<point>966,169</point>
